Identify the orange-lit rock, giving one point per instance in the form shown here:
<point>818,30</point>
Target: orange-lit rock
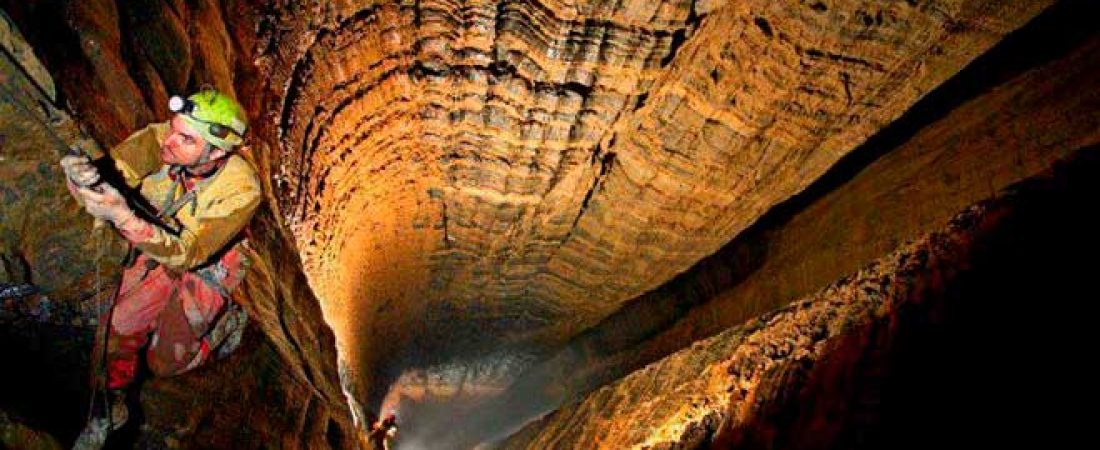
<point>469,187</point>
<point>523,169</point>
<point>904,353</point>
<point>966,142</point>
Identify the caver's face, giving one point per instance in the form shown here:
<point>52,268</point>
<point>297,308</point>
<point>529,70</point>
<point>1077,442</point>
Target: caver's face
<point>184,145</point>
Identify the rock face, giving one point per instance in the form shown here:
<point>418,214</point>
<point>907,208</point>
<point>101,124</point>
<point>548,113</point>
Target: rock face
<point>476,189</point>
<point>964,142</point>
<point>905,353</point>
<point>280,389</point>
<point>524,168</point>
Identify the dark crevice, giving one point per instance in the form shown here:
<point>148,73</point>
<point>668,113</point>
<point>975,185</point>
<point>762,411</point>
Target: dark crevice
<point>333,435</point>
<point>606,163</point>
<point>846,80</point>
<point>17,268</point>
<point>503,69</point>
<point>420,70</point>
<point>130,55</point>
<point>764,26</point>
<point>642,98</point>
<point>678,39</point>
<point>445,225</point>
<point>836,57</point>
<point>680,36</point>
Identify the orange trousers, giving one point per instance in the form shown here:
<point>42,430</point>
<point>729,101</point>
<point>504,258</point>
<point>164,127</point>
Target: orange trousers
<point>167,313</point>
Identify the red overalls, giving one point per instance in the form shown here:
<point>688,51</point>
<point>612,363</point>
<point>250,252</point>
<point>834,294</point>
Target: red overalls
<point>170,311</point>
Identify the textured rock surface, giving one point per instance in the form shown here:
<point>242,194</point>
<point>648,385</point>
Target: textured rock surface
<point>16,435</point>
<point>913,177</point>
<point>524,168</point>
<point>280,390</point>
<point>44,236</point>
<point>905,353</point>
<point>472,184</point>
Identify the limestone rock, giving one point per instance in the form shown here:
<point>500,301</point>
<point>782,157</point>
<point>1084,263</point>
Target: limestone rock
<point>525,168</point>
<point>468,186</point>
<point>991,138</point>
<point>901,354</point>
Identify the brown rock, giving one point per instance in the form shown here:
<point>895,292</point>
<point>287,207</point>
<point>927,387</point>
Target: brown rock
<point>888,375</point>
<point>280,388</point>
<point>159,36</point>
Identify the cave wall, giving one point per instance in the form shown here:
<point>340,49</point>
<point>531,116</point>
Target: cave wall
<point>38,247</point>
<point>919,349</point>
<point>525,168</point>
<point>471,185</point>
<point>111,64</point>
<point>1008,116</point>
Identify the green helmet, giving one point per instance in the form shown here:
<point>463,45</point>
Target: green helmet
<point>217,117</point>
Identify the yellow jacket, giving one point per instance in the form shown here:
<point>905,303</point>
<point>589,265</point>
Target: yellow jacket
<point>222,206</point>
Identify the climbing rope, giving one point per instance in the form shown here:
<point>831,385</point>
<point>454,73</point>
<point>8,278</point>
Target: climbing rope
<point>103,307</point>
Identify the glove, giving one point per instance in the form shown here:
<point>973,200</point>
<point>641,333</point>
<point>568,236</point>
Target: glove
<point>80,171</point>
<point>107,204</point>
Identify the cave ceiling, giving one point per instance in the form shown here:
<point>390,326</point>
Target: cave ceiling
<point>471,177</point>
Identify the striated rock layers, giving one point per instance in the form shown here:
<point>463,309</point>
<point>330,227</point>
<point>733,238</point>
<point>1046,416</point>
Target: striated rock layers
<point>485,176</point>
<point>918,349</point>
<point>472,184</point>
<point>1010,115</point>
<point>476,177</point>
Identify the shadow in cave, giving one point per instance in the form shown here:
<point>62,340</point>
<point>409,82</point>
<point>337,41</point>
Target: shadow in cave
<point>45,371</point>
<point>994,356</point>
<point>48,372</point>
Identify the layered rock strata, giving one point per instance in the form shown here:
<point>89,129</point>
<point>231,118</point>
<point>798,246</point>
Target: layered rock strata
<point>904,353</point>
<point>525,168</point>
<point>1009,116</point>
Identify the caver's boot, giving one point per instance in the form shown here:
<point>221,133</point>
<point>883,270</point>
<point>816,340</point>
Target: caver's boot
<point>105,419</point>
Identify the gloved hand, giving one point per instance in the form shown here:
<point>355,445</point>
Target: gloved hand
<point>107,204</point>
<point>79,170</point>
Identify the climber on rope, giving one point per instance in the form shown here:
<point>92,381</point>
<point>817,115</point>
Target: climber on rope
<point>187,252</point>
<point>383,432</point>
